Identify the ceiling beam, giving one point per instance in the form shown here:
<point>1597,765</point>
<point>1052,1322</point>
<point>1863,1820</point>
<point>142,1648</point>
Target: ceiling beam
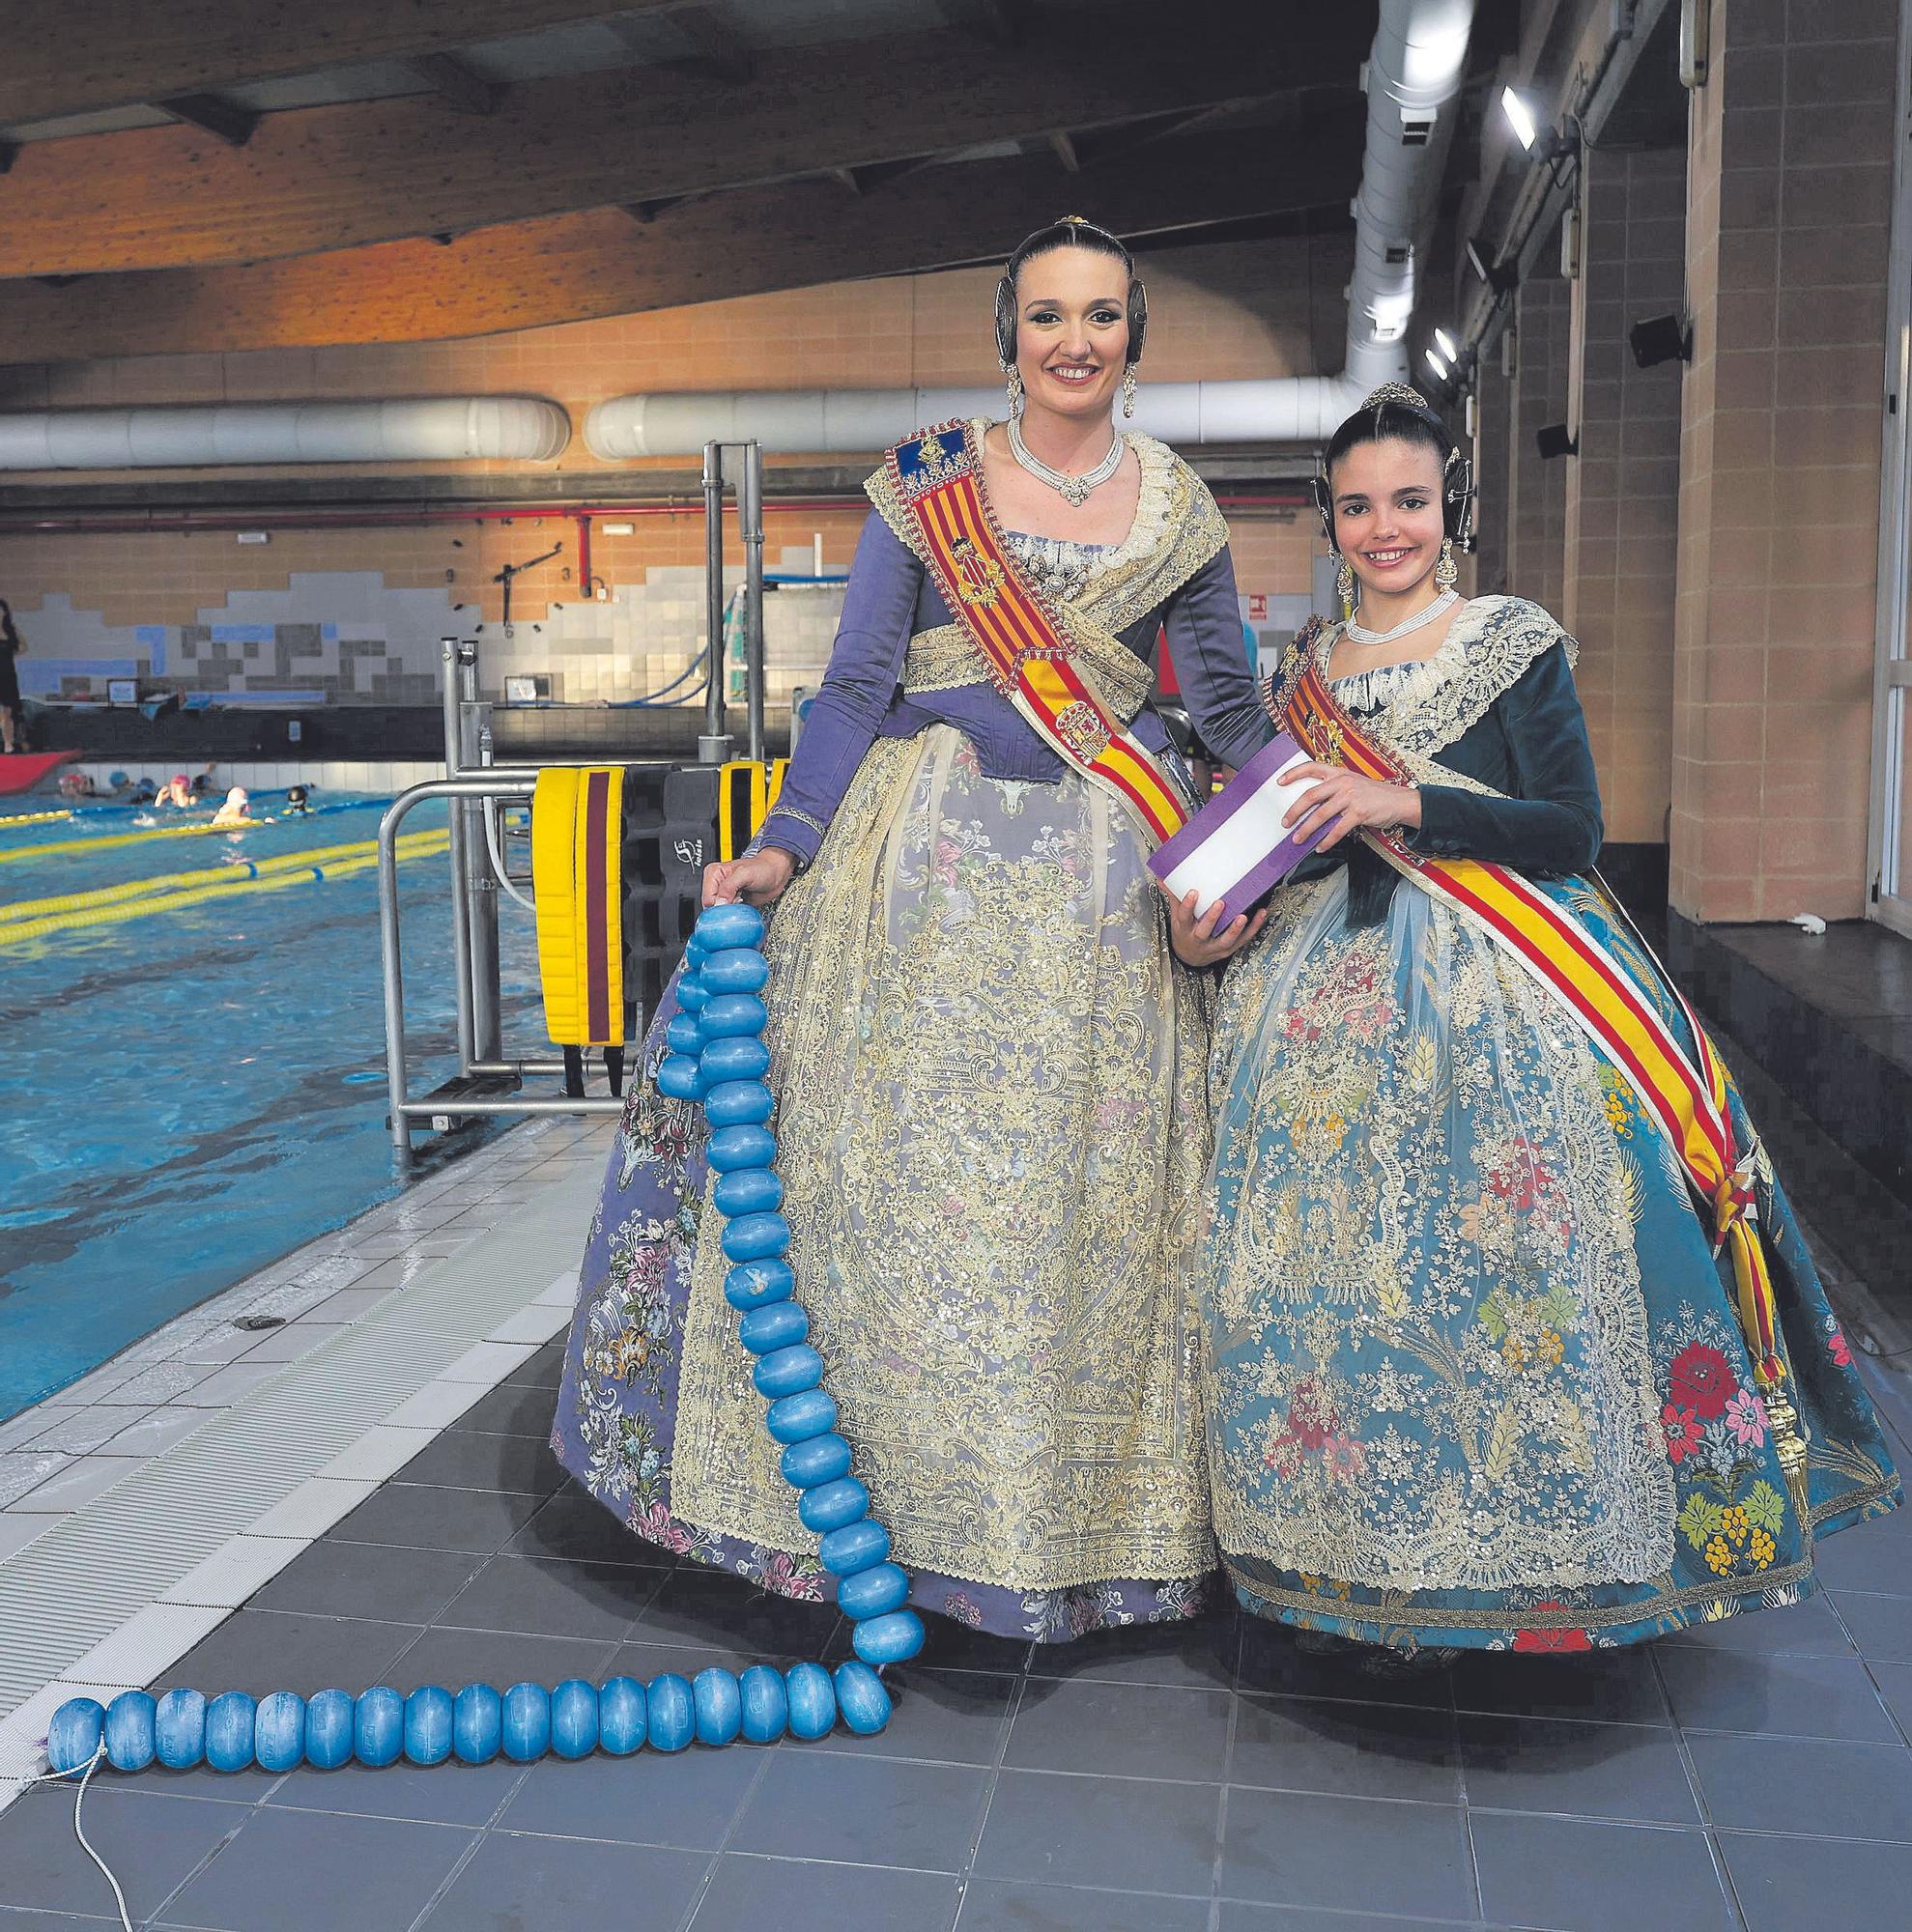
<point>720,52</point>
<point>85,55</point>
<point>211,115</point>
<point>330,178</point>
<point>455,84</point>
<point>1000,21</point>
<point>648,211</point>
<point>1064,149</point>
<point>573,267</point>
<point>1107,144</point>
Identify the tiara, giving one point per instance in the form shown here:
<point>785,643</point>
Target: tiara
<point>1397,393</point>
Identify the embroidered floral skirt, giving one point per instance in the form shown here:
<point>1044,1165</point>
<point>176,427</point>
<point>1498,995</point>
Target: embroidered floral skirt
<point>992,1126</point>
<point>1473,1376</point>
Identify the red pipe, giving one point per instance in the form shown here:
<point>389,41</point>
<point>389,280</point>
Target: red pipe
<point>184,524</point>
<point>373,519</point>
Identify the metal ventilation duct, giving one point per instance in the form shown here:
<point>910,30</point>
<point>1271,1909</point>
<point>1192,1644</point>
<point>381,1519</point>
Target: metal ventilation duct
<point>1412,74</point>
<point>441,429</point>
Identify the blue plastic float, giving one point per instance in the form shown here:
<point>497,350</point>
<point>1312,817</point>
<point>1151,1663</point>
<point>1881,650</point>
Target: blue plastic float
<point>717,1057</point>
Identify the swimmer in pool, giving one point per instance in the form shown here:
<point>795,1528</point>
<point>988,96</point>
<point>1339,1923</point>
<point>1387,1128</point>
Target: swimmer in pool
<point>178,793</point>
<point>235,811</point>
<point>298,801</point>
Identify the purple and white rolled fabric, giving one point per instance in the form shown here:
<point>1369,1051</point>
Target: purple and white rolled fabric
<point>1235,848</point>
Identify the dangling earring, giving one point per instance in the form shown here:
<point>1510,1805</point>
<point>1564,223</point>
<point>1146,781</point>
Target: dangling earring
<point>1128,390</point>
<point>1344,587</point>
<point>1014,376</point>
<point>1446,572</point>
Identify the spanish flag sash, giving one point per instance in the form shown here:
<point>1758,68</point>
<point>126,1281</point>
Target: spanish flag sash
<point>1687,1102</point>
<point>937,478</point>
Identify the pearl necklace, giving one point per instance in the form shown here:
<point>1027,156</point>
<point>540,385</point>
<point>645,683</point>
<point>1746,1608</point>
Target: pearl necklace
<point>1356,635</point>
<point>1074,487</point>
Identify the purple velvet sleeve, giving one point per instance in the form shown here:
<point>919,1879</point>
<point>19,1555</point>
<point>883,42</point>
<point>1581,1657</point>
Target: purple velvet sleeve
<point>865,666</point>
<point>1205,643</point>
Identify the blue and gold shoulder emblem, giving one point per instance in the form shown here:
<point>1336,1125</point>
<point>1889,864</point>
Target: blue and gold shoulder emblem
<point>931,458</point>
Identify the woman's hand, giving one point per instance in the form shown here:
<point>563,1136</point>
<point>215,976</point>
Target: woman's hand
<point>1345,802</point>
<point>756,880</point>
<point>1196,941</point>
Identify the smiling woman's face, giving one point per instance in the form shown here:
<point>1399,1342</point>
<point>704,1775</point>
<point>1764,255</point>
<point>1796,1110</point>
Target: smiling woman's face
<point>1387,519</point>
<point>1072,330</point>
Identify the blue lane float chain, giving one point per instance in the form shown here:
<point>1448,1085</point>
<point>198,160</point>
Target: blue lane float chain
<point>718,1057</point>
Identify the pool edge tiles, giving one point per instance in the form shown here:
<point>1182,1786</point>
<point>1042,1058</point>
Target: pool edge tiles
<point>425,1221</point>
<point>114,1592</point>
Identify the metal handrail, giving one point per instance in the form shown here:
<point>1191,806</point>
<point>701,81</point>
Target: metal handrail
<point>478,868</point>
<point>404,1109</point>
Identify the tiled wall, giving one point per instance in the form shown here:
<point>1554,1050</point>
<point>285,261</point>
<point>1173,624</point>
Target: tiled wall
<point>1787,237</point>
<point>354,615</point>
<point>1622,491</point>
<point>1493,461</point>
<point>370,635</point>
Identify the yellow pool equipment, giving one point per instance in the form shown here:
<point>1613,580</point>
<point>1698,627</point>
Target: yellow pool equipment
<point>577,876</point>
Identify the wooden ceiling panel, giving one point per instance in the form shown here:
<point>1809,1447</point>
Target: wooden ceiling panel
<point>574,267</point>
<point>338,177</point>
<point>84,55</point>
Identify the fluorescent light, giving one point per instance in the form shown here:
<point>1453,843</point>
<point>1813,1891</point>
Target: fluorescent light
<point>255,536</point>
<point>1435,363</point>
<point>1519,115</point>
<point>1445,344</point>
<point>617,529</point>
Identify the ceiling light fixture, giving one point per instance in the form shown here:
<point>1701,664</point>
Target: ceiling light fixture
<point>1520,117</point>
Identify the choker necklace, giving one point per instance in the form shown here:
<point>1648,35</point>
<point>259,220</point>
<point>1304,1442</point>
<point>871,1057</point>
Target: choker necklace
<point>1074,487</point>
<point>1355,634</point>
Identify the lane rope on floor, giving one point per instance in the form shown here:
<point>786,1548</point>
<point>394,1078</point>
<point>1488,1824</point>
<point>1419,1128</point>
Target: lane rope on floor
<point>109,1596</point>
<point>718,1059</point>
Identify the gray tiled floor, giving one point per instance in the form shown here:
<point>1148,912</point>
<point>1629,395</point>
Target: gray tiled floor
<point>1206,1777</point>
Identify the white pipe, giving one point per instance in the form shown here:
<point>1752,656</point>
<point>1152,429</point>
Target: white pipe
<point>443,429</point>
<point>1412,74</point>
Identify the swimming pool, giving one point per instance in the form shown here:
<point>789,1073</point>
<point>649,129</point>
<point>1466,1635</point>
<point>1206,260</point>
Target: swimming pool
<point>193,1094</point>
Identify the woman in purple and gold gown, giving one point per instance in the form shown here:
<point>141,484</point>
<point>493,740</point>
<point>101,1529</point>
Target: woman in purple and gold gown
<point>988,1064</point>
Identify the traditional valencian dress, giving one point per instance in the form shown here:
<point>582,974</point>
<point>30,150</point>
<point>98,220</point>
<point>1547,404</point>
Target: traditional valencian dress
<point>1476,1376</point>
<point>990,1077</point>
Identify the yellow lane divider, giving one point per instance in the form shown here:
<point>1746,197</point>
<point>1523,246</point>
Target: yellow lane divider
<point>108,914</point>
<point>113,839</point>
<point>13,818</point>
<point>200,875</point>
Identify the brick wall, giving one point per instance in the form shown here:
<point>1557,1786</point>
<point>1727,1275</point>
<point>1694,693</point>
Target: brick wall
<point>1536,489</point>
<point>356,614</point>
<point>1270,308</point>
<point>1622,490</point>
<point>1787,240</point>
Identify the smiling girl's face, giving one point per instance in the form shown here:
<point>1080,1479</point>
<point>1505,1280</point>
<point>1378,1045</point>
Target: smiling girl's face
<point>1072,330</point>
<point>1387,520</point>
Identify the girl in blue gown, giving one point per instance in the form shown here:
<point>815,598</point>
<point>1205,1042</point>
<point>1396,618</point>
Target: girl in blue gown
<point>1475,1376</point>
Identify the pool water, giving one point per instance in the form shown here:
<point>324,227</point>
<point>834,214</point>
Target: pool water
<point>191,1094</point>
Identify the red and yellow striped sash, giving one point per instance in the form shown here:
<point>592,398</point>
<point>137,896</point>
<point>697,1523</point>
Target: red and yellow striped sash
<point>937,477</point>
<point>1687,1102</point>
